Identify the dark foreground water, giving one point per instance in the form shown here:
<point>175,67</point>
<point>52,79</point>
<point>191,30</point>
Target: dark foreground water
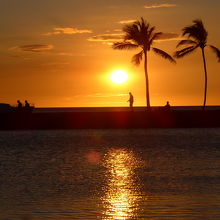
<point>110,174</point>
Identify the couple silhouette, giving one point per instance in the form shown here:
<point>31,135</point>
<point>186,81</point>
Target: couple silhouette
<point>20,106</point>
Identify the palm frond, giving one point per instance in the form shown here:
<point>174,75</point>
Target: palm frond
<point>150,32</point>
<point>136,59</point>
<point>130,30</point>
<point>186,42</point>
<point>185,51</point>
<point>138,32</point>
<point>154,37</point>
<point>163,54</point>
<point>132,33</point>
<point>143,26</point>
<point>216,51</point>
<point>196,31</point>
<point>124,46</point>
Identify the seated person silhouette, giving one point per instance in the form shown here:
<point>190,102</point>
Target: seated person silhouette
<point>167,106</point>
<point>131,100</point>
<point>19,106</point>
<point>27,105</point>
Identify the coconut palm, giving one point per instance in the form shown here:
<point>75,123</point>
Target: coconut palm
<point>142,35</point>
<point>196,38</point>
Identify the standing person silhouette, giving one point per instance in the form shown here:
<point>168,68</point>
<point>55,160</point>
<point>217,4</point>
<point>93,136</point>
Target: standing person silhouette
<point>131,100</point>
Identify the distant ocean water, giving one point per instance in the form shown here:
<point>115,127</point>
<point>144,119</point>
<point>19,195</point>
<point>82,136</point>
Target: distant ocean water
<point>110,174</point>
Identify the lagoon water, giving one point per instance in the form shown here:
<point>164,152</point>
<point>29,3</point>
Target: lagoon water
<point>110,174</point>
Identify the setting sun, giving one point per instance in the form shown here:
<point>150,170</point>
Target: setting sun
<point>119,76</point>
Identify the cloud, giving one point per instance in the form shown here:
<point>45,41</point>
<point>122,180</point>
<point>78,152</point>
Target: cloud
<point>107,38</point>
<point>68,54</point>
<point>160,6</point>
<point>126,21</point>
<point>56,64</point>
<point>168,37</point>
<point>111,38</point>
<point>14,56</point>
<point>117,30</point>
<point>103,95</point>
<point>67,30</point>
<point>33,48</point>
<point>63,54</point>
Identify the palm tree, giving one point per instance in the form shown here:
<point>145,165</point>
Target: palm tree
<point>141,35</point>
<point>196,37</point>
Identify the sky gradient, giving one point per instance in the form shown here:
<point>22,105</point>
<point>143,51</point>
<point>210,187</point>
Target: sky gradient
<point>58,53</point>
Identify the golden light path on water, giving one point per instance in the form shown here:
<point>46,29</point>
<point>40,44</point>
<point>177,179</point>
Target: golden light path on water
<point>122,193</point>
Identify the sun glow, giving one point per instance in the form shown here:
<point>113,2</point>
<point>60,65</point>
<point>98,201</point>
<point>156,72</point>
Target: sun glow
<point>119,76</point>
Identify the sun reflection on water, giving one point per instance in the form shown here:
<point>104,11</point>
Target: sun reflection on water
<point>122,192</point>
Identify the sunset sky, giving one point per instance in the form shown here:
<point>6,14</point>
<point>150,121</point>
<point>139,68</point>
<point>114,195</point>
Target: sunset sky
<point>58,52</point>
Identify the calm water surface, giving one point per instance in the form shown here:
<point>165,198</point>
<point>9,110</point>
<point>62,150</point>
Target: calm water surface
<point>111,174</point>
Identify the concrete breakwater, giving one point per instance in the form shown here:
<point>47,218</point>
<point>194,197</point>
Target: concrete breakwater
<point>109,119</point>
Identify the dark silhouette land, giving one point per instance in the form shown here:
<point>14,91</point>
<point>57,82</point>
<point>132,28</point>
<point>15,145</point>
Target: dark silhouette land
<point>109,118</point>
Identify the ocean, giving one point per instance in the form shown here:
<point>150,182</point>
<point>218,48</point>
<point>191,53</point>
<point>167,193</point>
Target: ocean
<point>110,174</point>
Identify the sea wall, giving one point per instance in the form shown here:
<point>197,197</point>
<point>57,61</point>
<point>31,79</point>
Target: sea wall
<point>107,120</point>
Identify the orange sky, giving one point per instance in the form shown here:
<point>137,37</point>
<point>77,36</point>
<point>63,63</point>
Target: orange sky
<point>58,53</point>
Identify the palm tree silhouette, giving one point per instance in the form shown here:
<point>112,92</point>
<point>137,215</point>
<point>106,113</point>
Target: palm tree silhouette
<point>196,37</point>
<point>141,35</point>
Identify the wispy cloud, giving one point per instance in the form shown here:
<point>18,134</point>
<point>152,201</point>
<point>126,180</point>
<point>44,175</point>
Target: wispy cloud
<point>117,30</point>
<point>56,64</point>
<point>168,37</point>
<point>63,54</point>
<point>126,21</point>
<point>111,38</point>
<point>33,48</point>
<point>160,6</point>
<point>103,95</point>
<point>67,30</point>
<point>68,54</point>
<point>107,38</point>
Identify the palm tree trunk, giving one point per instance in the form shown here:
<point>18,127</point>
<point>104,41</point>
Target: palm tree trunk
<point>206,78</point>
<point>147,80</point>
